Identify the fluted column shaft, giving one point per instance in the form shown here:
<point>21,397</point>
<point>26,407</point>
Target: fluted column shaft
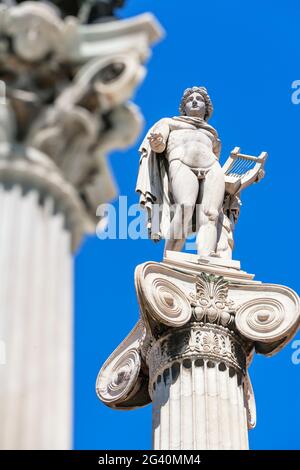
<point>198,398</point>
<point>36,322</point>
<point>197,405</point>
<point>42,221</point>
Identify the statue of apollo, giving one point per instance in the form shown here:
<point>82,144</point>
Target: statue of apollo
<point>182,184</point>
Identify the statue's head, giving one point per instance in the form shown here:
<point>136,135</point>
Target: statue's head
<point>196,102</point>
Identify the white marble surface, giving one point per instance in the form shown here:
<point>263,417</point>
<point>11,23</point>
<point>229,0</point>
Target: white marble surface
<point>37,327</point>
<point>198,406</point>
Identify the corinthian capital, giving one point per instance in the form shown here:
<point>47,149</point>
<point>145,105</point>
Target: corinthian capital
<point>68,90</point>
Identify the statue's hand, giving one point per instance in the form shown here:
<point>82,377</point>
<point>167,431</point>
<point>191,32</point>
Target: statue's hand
<point>157,142</point>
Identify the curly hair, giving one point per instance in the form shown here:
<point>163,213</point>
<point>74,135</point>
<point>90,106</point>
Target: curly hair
<point>203,92</point>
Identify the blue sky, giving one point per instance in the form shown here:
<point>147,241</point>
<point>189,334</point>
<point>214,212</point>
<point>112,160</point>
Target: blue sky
<point>247,54</point>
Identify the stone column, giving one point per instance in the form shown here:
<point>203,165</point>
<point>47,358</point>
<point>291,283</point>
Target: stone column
<point>198,396</point>
<point>201,321</point>
<point>42,220</point>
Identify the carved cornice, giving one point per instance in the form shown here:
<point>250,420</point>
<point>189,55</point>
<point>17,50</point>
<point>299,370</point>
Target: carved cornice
<point>37,30</point>
<point>197,340</point>
<point>265,315</point>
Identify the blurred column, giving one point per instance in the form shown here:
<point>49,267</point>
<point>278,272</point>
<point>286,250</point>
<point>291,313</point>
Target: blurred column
<point>42,218</point>
<point>63,107</point>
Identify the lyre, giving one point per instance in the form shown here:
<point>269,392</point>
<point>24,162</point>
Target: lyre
<point>242,170</point>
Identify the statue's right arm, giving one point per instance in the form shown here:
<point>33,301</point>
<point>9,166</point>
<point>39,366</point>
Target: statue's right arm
<point>159,136</point>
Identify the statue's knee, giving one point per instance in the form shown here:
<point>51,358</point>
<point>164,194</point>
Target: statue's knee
<point>211,215</point>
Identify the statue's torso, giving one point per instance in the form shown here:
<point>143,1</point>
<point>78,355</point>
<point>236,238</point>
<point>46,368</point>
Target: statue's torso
<point>191,146</point>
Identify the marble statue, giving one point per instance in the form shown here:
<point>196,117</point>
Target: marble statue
<point>202,318</point>
<point>182,183</point>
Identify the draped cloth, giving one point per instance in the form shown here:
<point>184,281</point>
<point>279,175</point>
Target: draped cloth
<point>153,182</point>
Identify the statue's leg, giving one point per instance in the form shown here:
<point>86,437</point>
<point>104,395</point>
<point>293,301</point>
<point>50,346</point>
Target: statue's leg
<point>184,187</point>
<point>225,237</point>
<point>209,206</point>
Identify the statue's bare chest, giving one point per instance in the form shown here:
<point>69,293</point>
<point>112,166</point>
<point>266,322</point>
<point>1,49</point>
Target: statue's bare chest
<point>188,138</point>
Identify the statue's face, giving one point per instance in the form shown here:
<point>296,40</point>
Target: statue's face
<point>195,105</point>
